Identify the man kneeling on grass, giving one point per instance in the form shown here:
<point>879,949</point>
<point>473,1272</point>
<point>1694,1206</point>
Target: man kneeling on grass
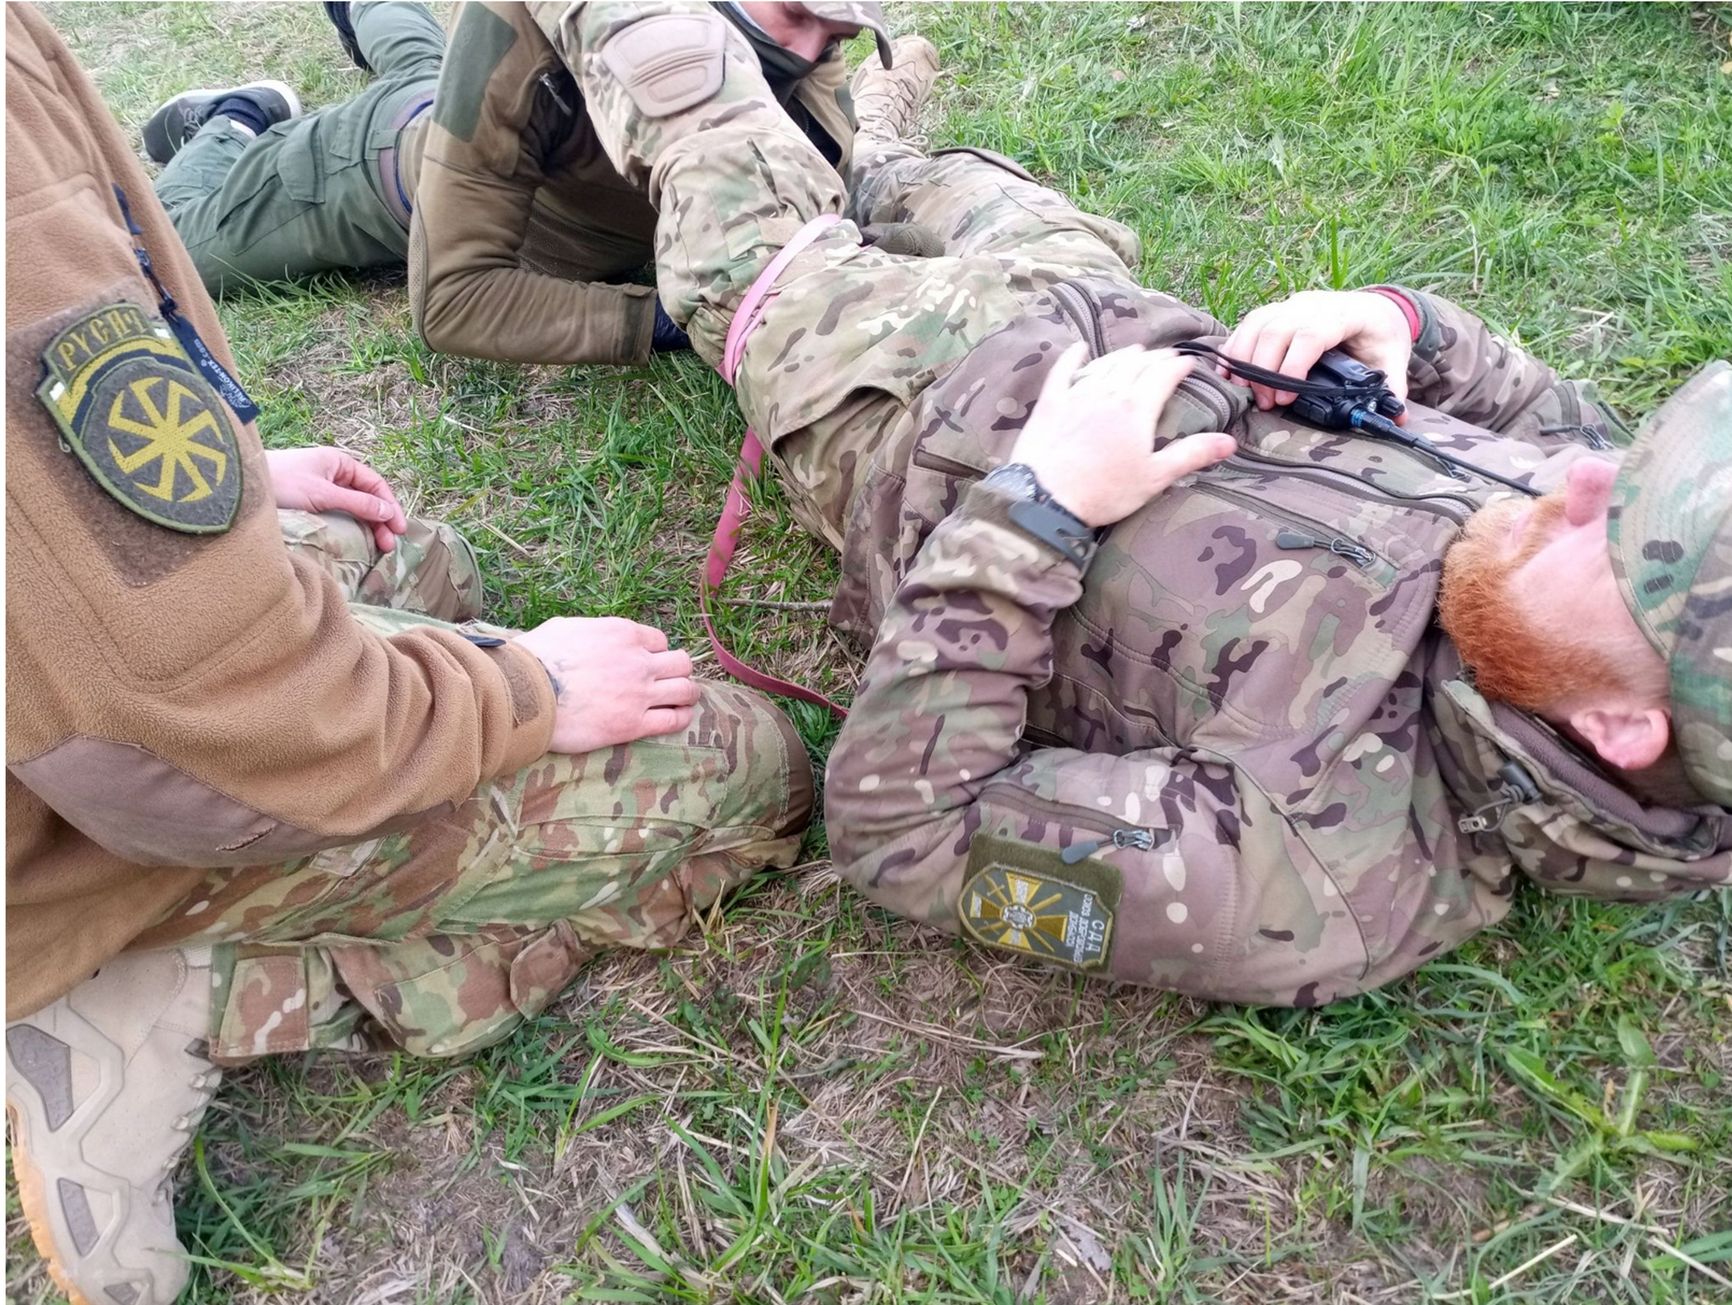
<point>476,170</point>
<point>1313,708</point>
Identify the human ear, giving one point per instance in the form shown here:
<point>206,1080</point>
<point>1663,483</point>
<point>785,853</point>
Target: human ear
<point>1627,738</point>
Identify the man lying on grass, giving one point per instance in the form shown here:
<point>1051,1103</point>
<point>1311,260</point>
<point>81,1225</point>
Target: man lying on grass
<point>1313,707</point>
<point>476,170</point>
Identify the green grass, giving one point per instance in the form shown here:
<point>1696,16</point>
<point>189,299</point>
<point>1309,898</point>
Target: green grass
<point>815,1102</point>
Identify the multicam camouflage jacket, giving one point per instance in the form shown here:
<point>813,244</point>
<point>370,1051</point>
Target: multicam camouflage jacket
<point>1241,761</point>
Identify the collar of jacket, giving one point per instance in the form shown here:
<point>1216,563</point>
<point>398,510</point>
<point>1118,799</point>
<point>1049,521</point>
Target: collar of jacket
<point>1578,808</point>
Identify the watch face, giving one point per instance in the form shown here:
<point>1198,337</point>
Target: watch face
<point>1015,478</point>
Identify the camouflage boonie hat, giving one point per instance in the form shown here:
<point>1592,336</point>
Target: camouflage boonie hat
<point>1670,529</point>
<point>862,13</point>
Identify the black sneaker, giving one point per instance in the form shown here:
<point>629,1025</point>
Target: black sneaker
<point>178,120</point>
<point>338,12</point>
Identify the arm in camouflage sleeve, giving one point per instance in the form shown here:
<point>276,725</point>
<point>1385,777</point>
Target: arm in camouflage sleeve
<point>468,290</point>
<point>714,153</point>
<point>1154,867</point>
<point>1460,367</point>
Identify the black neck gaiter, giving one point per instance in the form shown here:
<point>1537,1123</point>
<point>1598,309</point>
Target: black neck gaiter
<point>784,70</point>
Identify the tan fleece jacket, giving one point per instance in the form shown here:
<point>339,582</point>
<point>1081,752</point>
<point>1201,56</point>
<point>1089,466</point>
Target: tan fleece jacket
<point>175,701</point>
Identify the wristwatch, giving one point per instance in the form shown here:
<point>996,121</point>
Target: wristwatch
<point>1037,514</point>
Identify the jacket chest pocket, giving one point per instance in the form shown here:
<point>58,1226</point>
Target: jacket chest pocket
<point>1246,611</point>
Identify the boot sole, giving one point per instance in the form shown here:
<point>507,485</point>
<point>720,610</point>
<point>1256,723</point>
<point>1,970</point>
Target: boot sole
<point>38,1212</point>
<point>43,1213</point>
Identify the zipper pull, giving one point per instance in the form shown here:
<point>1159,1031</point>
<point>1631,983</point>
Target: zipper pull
<point>551,87</point>
<point>1515,789</point>
<point>1593,436</point>
<point>1142,839</point>
<point>1485,819</point>
<point>1351,551</point>
<point>1341,547</point>
<point>1445,465</point>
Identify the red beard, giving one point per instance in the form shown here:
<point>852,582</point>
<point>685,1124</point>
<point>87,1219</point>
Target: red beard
<point>1514,659</point>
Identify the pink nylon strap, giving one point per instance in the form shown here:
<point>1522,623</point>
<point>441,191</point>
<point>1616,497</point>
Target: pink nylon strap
<point>747,469</point>
<point>752,306</point>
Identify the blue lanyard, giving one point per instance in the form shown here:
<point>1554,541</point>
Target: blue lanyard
<point>218,375</point>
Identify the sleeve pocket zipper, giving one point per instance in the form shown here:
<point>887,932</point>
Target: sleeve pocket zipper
<point>1114,834</point>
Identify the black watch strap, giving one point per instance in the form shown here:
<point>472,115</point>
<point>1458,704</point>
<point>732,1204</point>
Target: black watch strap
<point>1036,513</point>
<point>1053,524</point>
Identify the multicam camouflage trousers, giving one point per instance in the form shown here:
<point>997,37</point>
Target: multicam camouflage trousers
<point>444,937</point>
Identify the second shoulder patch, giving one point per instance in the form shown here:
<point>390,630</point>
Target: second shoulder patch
<point>1021,897</point>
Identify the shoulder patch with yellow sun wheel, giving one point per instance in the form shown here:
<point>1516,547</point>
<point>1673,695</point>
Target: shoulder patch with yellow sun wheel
<point>143,420</point>
<point>1023,898</point>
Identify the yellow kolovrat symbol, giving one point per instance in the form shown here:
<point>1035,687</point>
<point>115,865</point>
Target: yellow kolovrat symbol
<point>171,438</point>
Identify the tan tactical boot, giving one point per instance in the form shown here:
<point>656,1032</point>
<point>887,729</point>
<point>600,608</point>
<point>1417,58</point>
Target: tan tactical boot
<point>887,101</point>
<point>104,1089</point>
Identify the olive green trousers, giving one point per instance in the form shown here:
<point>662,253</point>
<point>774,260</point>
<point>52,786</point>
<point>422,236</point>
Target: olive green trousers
<point>309,195</point>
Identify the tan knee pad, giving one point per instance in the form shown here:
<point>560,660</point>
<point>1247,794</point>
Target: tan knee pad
<point>669,62</point>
